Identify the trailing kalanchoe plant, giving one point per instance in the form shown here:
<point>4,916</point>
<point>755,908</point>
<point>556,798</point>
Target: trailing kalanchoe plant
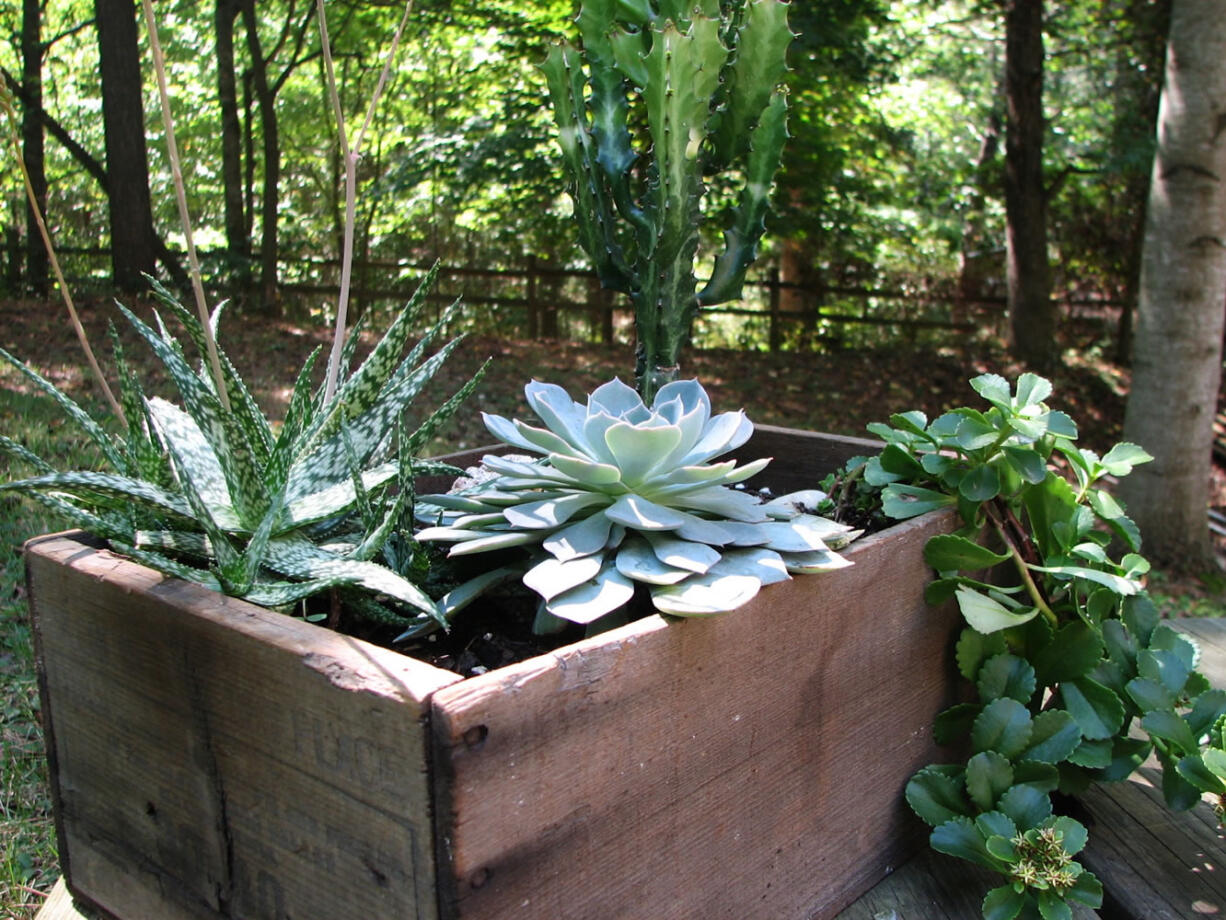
<point>1063,648</point>
<point>624,496</point>
<point>702,79</point>
<point>229,501</point>
<point>1206,769</point>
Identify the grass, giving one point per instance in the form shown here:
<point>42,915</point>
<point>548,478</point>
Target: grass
<point>28,860</point>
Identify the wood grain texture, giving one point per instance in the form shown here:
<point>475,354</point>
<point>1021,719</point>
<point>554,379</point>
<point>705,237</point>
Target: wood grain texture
<point>214,759</point>
<point>746,766</point>
<point>60,906</point>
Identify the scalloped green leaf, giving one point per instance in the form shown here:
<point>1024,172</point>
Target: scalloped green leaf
<point>1094,755</point>
<point>1073,653</point>
<point>1006,676</point>
<point>1165,667</point>
<point>1127,754</point>
<point>902,501</point>
<point>1196,769</point>
<point>974,648</point>
<point>1170,727</point>
<point>1098,712</point>
<point>1003,726</point>
<point>1027,463</point>
<point>1121,458</point>
<point>1043,776</point>
<point>1141,617</point>
<point>936,797</point>
<point>959,837</point>
<point>1003,903</point>
<point>1052,906</point>
<point>1207,708</point>
<point>1055,736</point>
<point>981,484</point>
<point>988,776</point>
<point>1026,805</point>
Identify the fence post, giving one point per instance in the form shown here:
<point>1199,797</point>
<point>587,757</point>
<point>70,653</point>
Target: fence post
<point>12,260</point>
<point>534,307</point>
<point>606,310</point>
<point>776,334</point>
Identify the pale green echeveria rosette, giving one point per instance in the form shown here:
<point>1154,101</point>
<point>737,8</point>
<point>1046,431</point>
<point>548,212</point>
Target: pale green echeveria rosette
<point>624,496</point>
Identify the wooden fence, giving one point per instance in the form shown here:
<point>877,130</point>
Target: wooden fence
<point>550,302</point>
<point>541,301</point>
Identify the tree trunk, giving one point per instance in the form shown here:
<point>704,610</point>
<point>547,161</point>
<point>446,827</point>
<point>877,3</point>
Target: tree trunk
<point>1032,316</point>
<point>975,261</point>
<point>37,264</point>
<point>133,250</point>
<point>1137,90</point>
<point>238,243</point>
<point>266,101</point>
<point>1178,351</point>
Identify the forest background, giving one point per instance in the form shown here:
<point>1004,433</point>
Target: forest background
<point>894,179</point>
<point>965,190</point>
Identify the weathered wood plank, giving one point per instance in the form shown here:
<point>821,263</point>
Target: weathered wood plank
<point>931,886</point>
<point>60,906</point>
<point>1154,864</point>
<point>211,758</point>
<point>1210,635</point>
<point>746,766</point>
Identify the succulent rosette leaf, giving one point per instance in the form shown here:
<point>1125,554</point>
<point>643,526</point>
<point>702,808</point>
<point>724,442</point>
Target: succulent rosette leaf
<point>615,495</point>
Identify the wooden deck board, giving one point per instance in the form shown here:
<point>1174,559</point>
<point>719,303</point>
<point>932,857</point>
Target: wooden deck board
<point>60,906</point>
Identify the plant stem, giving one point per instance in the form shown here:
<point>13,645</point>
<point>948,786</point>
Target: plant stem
<point>1027,579</point>
<point>350,155</point>
<point>176,170</point>
<point>845,491</point>
<point>11,117</point>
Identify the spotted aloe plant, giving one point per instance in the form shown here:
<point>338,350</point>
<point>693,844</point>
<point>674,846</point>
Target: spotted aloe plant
<point>229,501</point>
<point>622,495</point>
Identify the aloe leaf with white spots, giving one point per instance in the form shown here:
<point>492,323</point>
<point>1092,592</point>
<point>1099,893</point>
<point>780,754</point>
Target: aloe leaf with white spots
<point>74,412</point>
<point>271,517</point>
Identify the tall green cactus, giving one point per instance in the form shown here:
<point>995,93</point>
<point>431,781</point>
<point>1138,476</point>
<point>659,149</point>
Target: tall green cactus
<point>704,85</point>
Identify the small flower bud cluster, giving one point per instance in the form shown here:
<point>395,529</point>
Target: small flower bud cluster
<point>1042,861</point>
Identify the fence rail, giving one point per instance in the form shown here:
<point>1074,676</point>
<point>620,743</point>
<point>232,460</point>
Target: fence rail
<point>547,301</point>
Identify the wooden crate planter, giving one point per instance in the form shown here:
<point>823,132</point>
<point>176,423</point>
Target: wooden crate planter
<point>213,759</point>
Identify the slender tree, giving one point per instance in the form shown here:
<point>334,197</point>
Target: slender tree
<point>133,247</point>
<point>1178,349</point>
<point>266,102</point>
<point>238,241</point>
<point>1032,315</point>
<point>32,140</point>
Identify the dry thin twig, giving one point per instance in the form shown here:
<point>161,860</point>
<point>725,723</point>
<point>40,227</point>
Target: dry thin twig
<point>350,154</point>
<point>172,150</point>
<point>11,116</point>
